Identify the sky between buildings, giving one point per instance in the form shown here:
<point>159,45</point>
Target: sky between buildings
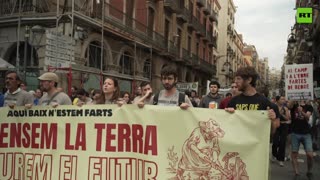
<point>266,24</point>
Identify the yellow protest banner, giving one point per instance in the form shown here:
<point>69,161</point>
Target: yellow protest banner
<point>128,143</point>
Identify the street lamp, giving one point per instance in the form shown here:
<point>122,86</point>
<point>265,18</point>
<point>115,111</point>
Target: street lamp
<point>292,39</point>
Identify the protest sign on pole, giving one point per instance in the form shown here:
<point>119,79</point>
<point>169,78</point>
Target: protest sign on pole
<point>299,81</point>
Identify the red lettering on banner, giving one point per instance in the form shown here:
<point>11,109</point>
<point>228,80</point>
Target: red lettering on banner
<point>124,137</point>
<point>300,69</point>
<point>19,166</point>
<point>15,141</point>
<point>151,139</point>
<point>110,137</point>
<point>80,140</point>
<point>68,167</point>
<point>98,168</point>
<point>26,167</point>
<point>26,141</point>
<point>129,138</point>
<point>3,134</point>
<point>306,86</point>
<point>99,128</point>
<point>34,135</point>
<point>121,168</point>
<point>47,137</point>
<point>137,134</point>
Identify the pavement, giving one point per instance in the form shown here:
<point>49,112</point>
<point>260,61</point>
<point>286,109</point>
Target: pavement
<point>287,173</point>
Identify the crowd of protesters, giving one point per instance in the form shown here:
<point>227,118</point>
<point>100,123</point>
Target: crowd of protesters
<point>293,123</point>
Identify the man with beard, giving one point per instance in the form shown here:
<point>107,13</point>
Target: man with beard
<point>213,98</point>
<point>48,83</point>
<point>170,96</point>
<point>249,99</point>
<point>15,96</point>
<point>146,94</point>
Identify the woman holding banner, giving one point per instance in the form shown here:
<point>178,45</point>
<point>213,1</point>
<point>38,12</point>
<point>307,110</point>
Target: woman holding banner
<point>111,91</point>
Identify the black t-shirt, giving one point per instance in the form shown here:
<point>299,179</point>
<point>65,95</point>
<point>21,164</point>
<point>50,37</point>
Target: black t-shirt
<point>255,102</point>
<point>282,111</point>
<point>299,124</point>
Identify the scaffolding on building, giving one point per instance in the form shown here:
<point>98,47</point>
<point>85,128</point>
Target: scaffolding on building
<point>86,13</point>
<point>104,18</point>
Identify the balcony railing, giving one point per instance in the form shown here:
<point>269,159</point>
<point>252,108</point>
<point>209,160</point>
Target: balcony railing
<point>209,38</point>
<point>172,5</point>
<point>207,8</point>
<point>207,67</point>
<point>186,57</point>
<point>12,7</point>
<point>199,63</point>
<point>127,24</point>
<point>195,23</point>
<point>184,14</point>
<point>201,3</point>
<point>173,49</point>
<point>213,16</point>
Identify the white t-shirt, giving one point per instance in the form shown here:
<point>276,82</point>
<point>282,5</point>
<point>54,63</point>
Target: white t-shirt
<point>172,100</point>
<point>61,98</point>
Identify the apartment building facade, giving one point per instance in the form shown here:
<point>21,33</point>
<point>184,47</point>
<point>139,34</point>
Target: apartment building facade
<point>132,40</point>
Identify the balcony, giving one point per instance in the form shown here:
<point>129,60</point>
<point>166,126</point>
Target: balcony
<point>208,36</point>
<point>197,26</point>
<point>184,14</point>
<point>171,5</point>
<point>213,16</point>
<point>213,42</point>
<point>186,57</point>
<point>201,3</point>
<point>122,23</point>
<point>207,8</point>
<point>173,51</point>
<point>11,7</point>
<point>207,67</point>
<point>201,64</point>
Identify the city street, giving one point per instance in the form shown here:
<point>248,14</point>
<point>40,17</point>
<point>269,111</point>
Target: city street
<point>287,173</point>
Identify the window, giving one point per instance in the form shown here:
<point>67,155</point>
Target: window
<point>197,48</point>
<point>93,55</point>
<point>126,64</point>
<point>147,69</point>
<point>204,53</point>
<point>189,44</point>
<point>166,31</point>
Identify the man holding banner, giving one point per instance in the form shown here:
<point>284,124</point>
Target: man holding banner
<point>249,99</point>
<point>170,96</point>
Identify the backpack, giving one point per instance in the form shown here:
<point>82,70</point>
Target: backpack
<point>180,101</point>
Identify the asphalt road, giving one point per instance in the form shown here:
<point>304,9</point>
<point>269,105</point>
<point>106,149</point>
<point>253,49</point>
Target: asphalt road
<point>287,173</point>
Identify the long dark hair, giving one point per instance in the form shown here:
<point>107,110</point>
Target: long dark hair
<point>116,93</point>
<point>124,93</point>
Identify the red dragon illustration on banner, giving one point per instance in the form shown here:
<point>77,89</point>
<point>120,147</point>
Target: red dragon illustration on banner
<point>201,158</point>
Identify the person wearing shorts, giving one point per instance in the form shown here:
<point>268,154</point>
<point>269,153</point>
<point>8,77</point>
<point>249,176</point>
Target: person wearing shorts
<point>301,134</point>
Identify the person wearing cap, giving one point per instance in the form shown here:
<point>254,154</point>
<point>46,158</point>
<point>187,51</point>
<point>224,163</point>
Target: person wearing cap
<point>15,96</point>
<point>49,83</point>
